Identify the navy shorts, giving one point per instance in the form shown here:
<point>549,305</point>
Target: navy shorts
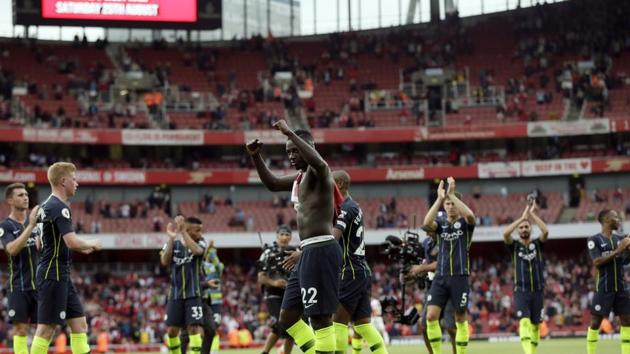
<point>22,306</point>
<point>447,315</point>
<point>314,285</point>
<point>57,301</point>
<point>529,305</point>
<point>449,288</point>
<point>184,312</point>
<point>355,295</point>
<point>617,302</point>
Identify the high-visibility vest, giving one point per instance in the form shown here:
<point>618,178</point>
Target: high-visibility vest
<point>102,342</point>
<point>61,343</point>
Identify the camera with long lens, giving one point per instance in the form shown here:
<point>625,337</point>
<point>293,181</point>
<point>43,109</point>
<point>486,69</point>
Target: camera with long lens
<point>272,265</point>
<point>406,252</point>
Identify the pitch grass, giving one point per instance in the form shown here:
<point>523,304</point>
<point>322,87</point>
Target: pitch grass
<point>553,346</point>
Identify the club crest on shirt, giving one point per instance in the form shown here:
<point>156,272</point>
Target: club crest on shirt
<point>591,245</point>
<point>457,225</point>
<point>66,213</point>
<point>1,232</point>
<point>532,246</point>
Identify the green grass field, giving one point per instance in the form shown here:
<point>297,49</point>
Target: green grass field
<point>553,346</point>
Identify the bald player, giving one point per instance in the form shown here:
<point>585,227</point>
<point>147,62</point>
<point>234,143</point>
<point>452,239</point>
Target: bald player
<point>356,276</point>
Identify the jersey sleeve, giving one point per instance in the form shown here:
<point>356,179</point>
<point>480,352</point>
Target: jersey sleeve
<point>63,221</point>
<point>6,234</point>
<point>344,219</point>
<point>203,244</point>
<point>593,249</point>
<point>470,227</point>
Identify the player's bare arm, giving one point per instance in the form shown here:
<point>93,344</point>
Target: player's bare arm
<point>429,219</point>
<point>507,234</point>
<point>544,231</point>
<point>459,204</point>
<point>269,179</point>
<point>421,269</point>
<point>15,247</point>
<point>188,241</point>
<point>291,259</point>
<point>166,255</point>
<point>621,247</point>
<point>307,151</point>
<point>77,244</point>
<point>264,279</point>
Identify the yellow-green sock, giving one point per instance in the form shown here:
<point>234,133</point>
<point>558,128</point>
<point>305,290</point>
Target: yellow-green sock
<point>625,340</point>
<point>524,331</point>
<point>79,343</point>
<point>325,340</point>
<point>535,336</point>
<point>434,332</point>
<point>303,336</point>
<point>194,343</point>
<point>20,345</point>
<point>174,345</point>
<point>372,337</point>
<point>341,337</point>
<point>39,345</point>
<point>357,343</point>
<point>461,337</point>
<point>592,336</point>
<point>216,344</point>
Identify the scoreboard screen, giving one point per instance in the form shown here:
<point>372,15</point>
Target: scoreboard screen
<point>121,10</point>
<point>175,14</point>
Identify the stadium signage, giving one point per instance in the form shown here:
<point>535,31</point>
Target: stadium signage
<point>162,137</point>
<point>499,170</point>
<point>243,176</point>
<point>556,167</point>
<point>121,10</point>
<point>152,241</point>
<point>403,175</point>
<point>580,127</point>
<point>322,136</point>
<point>60,135</point>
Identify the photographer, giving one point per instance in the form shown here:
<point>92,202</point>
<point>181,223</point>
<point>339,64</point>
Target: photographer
<point>273,278</point>
<point>425,272</point>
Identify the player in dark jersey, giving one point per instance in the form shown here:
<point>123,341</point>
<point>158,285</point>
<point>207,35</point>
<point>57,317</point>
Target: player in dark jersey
<point>274,281</point>
<point>19,236</point>
<point>454,237</point>
<point>427,268</point>
<point>608,251</point>
<point>529,281</point>
<point>57,298</point>
<point>185,307</point>
<point>314,290</point>
<point>355,290</point>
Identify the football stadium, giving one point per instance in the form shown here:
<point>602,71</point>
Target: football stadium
<point>315,176</point>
